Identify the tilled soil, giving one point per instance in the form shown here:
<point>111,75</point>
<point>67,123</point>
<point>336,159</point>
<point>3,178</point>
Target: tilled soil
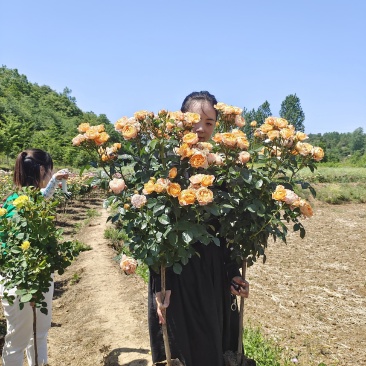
<point>310,296</point>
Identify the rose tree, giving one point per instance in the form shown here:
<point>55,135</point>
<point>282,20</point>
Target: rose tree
<point>170,190</point>
<point>31,249</point>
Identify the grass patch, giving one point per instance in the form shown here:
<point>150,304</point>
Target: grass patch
<point>338,193</point>
<point>81,247</point>
<point>92,212</point>
<point>334,175</point>
<point>264,351</point>
<point>117,239</point>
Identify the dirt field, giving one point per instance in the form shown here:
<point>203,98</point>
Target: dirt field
<point>310,295</point>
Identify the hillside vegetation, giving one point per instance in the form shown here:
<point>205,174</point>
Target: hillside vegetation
<point>37,116</point>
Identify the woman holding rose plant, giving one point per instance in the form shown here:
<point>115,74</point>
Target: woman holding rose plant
<point>33,167</point>
<point>202,317</point>
<point>189,207</point>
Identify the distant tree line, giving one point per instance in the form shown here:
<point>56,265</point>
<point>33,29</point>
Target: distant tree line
<point>37,116</point>
<point>340,148</point>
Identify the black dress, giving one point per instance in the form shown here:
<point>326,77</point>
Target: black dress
<point>201,324</point>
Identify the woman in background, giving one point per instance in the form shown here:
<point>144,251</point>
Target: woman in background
<point>33,167</point>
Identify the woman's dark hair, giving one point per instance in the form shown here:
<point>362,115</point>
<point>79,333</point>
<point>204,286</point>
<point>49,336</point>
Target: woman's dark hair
<point>27,171</point>
<point>202,96</point>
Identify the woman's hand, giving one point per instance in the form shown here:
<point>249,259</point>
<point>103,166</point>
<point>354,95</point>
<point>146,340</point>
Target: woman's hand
<point>243,287</point>
<point>61,174</point>
<point>161,306</point>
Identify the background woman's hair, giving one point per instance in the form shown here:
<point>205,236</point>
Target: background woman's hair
<point>198,97</point>
<point>27,171</point>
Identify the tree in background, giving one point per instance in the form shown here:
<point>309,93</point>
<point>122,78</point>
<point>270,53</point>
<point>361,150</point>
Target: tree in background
<point>258,115</point>
<point>291,111</point>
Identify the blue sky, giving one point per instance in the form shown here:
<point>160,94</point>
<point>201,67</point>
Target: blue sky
<point>120,56</point>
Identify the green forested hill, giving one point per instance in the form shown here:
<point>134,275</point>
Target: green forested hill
<point>37,116</point>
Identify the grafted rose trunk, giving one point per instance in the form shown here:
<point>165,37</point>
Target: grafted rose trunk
<point>35,335</point>
<point>164,326</point>
<point>241,317</point>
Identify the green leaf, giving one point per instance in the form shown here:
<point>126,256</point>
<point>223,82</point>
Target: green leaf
<point>212,209</point>
<point>302,232</point>
<point>177,268</point>
<point>173,238</point>
<point>259,183</point>
<point>151,202</point>
<point>252,207</point>
<point>26,298</point>
<point>158,208</point>
<point>187,236</point>
<point>164,219</point>
<point>20,236</point>
<point>216,241</point>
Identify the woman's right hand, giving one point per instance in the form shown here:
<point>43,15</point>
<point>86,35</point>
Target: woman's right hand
<point>161,306</point>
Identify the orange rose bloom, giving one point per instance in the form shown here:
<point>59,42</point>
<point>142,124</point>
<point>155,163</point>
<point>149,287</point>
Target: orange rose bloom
<point>158,188</point>
<point>304,148</point>
<point>317,153</point>
<point>204,196</point>
<point>129,132</point>
<point>91,134</point>
<point>279,194</point>
<point>266,127</point>
<point>305,208</point>
<point>101,138</point>
<point>184,151</point>
<point>204,146</point>
<point>187,197</point>
<point>273,134</point>
<point>228,139</point>
<point>83,127</point>
<point>198,160</point>
<point>239,121</point>
<point>242,143</point>
<point>207,180</point>
<point>301,136</point>
<point>270,121</point>
<point>280,123</point>
<point>286,133</point>
<point>217,138</point>
<point>190,138</point>
<point>174,189</point>
<point>120,123</point>
<point>77,140</point>
<point>173,173</point>
<point>192,118</point>
<point>169,126</point>
<point>141,115</point>
<point>196,179</point>
<point>243,157</point>
<point>253,124</point>
<point>148,187</point>
<point>128,264</point>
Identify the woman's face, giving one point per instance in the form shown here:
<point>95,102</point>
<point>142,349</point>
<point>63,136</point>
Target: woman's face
<point>205,127</point>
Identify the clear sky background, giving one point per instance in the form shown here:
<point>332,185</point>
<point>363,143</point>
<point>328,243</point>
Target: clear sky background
<point>121,56</point>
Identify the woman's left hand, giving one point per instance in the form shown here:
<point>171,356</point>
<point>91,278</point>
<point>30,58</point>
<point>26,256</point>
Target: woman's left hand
<point>243,289</point>
<point>61,174</point>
